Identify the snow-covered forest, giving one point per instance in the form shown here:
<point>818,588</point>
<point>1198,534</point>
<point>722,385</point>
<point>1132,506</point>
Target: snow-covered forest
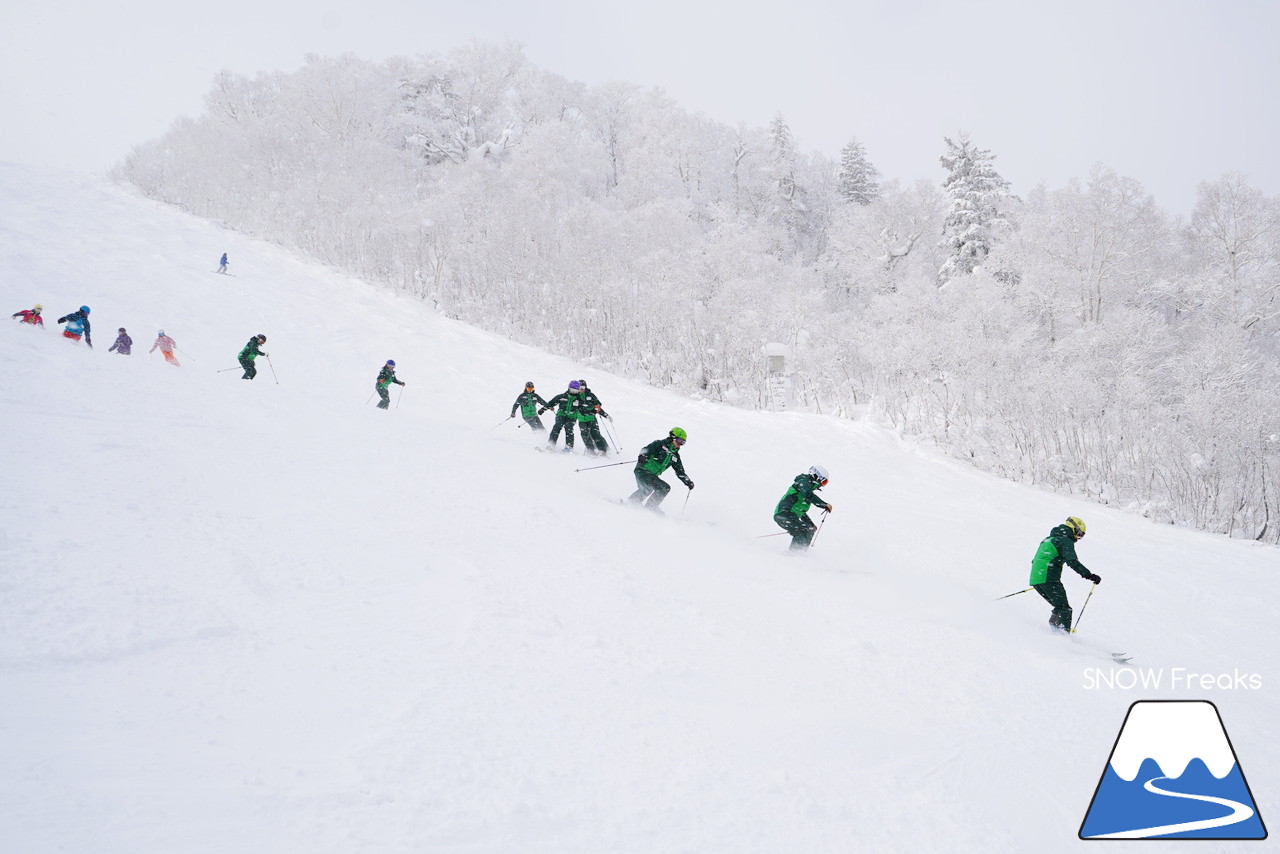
<point>1077,338</point>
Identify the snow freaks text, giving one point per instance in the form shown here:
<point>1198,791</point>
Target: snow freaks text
<point>1173,679</point>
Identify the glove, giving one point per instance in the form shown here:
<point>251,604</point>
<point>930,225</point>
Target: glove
<point>403,383</point>
<point>542,411</point>
<point>828,508</point>
<point>268,355</point>
<point>688,483</point>
<point>1095,578</point>
<point>512,415</point>
<point>607,415</point>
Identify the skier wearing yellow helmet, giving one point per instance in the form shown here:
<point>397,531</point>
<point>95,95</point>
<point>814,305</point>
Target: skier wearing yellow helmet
<point>657,457</point>
<point>1046,569</point>
<point>31,315</point>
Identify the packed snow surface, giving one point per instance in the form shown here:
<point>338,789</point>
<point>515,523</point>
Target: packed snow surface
<point>265,616</point>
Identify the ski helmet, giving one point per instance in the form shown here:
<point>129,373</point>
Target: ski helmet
<point>122,332</point>
<point>574,385</point>
<point>85,309</point>
<point>37,308</point>
<point>391,363</point>
<point>262,339</point>
<point>679,435</point>
<point>820,474</point>
<point>1076,524</point>
<point>160,332</point>
<point>582,383</point>
<point>528,384</point>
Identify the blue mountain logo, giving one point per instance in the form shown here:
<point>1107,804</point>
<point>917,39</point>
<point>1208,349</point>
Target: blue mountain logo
<point>1173,774</point>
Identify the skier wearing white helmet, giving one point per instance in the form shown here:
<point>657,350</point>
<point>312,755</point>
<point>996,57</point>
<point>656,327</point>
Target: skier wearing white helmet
<point>791,510</point>
<point>166,345</point>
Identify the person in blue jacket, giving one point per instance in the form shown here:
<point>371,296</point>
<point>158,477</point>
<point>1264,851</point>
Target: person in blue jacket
<point>222,263</point>
<point>77,325</point>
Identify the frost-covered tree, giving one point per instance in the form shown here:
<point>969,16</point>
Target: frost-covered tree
<point>977,217</point>
<point>1235,233</point>
<point>859,180</point>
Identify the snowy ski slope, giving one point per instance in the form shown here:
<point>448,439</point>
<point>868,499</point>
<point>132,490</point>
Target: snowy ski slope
<point>242,616</point>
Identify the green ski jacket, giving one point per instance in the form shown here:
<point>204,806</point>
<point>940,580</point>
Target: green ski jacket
<point>659,456</point>
<point>1055,550</point>
<point>800,496</point>
<point>250,351</point>
<point>527,402</point>
<point>387,376</point>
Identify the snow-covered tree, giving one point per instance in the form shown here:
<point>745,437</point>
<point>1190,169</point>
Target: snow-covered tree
<point>859,180</point>
<point>977,217</point>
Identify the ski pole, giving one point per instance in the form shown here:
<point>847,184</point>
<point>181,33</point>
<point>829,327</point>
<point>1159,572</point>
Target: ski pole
<point>819,531</point>
<point>762,536</point>
<point>399,396</point>
<point>617,446</point>
<point>224,370</point>
<point>273,370</point>
<point>371,394</point>
<point>1082,607</point>
<point>185,353</point>
<point>607,465</point>
<point>998,598</point>
<point>686,501</point>
<point>500,423</point>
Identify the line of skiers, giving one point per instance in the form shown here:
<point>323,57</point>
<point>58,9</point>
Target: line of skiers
<point>78,326</point>
<point>579,405</point>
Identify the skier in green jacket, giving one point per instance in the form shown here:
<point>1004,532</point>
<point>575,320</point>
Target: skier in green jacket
<point>251,351</point>
<point>589,424</point>
<point>386,377</point>
<point>567,405</point>
<point>1046,569</point>
<point>528,402</point>
<point>791,510</point>
<point>656,458</point>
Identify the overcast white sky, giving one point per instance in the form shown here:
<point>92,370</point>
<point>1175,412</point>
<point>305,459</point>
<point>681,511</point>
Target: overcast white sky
<point>1171,92</point>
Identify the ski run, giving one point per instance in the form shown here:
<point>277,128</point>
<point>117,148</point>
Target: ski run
<point>267,616</point>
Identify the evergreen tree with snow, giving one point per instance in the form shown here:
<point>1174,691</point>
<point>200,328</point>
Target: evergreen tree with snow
<point>859,180</point>
<point>976,216</point>
<point>789,207</point>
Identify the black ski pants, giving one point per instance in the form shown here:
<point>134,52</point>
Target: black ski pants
<point>566,423</point>
<point>652,489</point>
<point>1056,595</point>
<point>385,394</point>
<point>591,437</point>
<point>535,423</point>
<point>250,370</point>
<point>799,527</point>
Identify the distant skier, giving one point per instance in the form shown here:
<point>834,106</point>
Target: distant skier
<point>790,514</point>
<point>567,405</point>
<point>528,402</point>
<point>589,423</point>
<point>77,325</point>
<point>123,345</point>
<point>222,263</point>
<point>657,457</point>
<point>32,315</point>
<point>1046,569</point>
<point>386,377</point>
<point>251,351</point>
<point>166,345</point>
